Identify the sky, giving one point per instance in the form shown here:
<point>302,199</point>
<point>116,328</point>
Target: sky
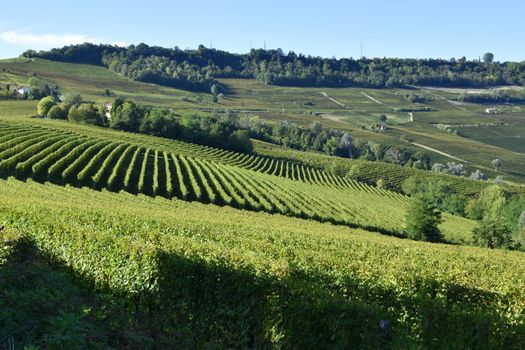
<point>328,28</point>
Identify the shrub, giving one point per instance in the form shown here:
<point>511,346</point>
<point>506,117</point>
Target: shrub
<point>44,105</point>
<point>58,112</point>
<point>493,233</point>
<point>85,114</point>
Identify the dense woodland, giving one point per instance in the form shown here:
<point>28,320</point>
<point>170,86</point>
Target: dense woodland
<point>198,69</point>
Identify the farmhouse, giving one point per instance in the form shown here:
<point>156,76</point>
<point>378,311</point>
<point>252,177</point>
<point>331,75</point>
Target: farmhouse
<point>491,110</point>
<point>22,90</point>
<point>107,110</point>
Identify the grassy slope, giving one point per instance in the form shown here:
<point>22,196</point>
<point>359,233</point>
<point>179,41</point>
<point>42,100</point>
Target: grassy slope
<point>382,212</point>
<point>434,294</point>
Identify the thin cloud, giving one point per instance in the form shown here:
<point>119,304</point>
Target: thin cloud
<point>44,40</point>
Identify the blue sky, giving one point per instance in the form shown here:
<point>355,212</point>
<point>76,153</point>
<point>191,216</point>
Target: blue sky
<point>326,28</point>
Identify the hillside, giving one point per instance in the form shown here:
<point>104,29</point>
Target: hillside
<point>65,153</point>
<point>464,136</point>
<point>120,238</point>
<point>236,278</point>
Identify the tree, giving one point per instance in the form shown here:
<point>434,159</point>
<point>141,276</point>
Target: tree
<point>478,175</point>
<point>160,122</point>
<point>330,147</point>
<point>85,114</point>
<point>214,90</point>
<point>44,105</point>
<point>125,117</point>
<point>493,233</point>
<point>489,203</point>
<point>316,127</point>
<point>107,92</point>
<point>239,141</point>
<point>496,163</point>
<point>488,57</point>
<point>422,221</point>
<point>71,99</point>
<point>57,112</point>
<point>382,118</point>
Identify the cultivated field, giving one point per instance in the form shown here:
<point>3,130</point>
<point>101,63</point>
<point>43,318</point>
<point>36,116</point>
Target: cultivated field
<point>354,109</point>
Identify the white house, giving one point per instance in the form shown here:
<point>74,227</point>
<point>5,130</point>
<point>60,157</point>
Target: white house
<point>491,110</point>
<point>22,90</point>
<point>107,110</point>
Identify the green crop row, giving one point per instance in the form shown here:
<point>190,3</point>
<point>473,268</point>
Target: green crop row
<point>239,279</point>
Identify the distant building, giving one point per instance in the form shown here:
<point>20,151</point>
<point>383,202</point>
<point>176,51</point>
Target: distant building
<point>491,110</point>
<point>22,90</point>
<point>107,110</point>
<point>382,126</point>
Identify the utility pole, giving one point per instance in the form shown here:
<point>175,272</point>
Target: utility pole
<point>211,44</point>
<point>361,50</point>
<point>265,45</point>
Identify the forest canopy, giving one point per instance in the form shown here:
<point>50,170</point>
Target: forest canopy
<point>198,69</point>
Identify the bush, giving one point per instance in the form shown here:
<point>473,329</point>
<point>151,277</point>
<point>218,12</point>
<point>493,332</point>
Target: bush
<point>58,112</point>
<point>85,114</point>
<point>71,99</point>
<point>44,105</point>
<point>493,233</point>
<point>239,141</point>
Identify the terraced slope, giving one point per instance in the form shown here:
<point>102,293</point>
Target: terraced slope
<point>208,175</point>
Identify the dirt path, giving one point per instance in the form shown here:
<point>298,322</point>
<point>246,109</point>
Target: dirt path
<point>332,99</point>
<point>439,152</point>
<point>377,101</point>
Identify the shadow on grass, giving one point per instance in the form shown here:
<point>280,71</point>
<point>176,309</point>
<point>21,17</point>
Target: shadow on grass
<point>200,303</point>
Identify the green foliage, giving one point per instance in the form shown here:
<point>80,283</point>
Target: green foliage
<point>246,278</point>
<point>488,204</point>
<point>160,122</point>
<point>57,112</point>
<point>440,193</point>
<point>44,105</point>
<point>493,233</point>
<point>239,141</point>
<point>71,99</point>
<point>85,114</point>
<point>422,221</point>
<point>125,116</point>
<point>197,69</point>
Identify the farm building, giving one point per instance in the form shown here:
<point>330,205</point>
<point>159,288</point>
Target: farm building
<point>107,110</point>
<point>22,90</point>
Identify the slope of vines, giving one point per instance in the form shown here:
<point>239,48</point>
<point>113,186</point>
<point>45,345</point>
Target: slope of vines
<point>209,176</point>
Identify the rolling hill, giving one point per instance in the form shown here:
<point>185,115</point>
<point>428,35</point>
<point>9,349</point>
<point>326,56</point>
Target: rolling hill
<point>113,239</point>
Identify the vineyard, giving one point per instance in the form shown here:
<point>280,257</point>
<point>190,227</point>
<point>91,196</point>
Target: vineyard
<point>173,169</point>
<point>211,176</point>
<point>239,279</point>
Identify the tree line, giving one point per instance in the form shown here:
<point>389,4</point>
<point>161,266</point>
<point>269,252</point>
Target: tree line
<point>198,69</point>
